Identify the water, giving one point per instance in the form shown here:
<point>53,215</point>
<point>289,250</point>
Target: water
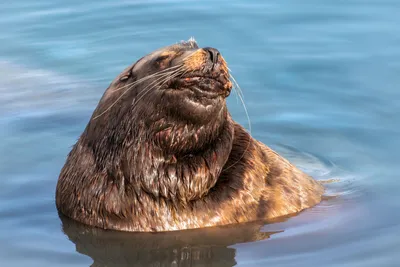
<point>320,80</point>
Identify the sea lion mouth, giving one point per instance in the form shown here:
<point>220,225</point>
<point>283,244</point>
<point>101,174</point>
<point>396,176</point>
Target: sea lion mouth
<point>210,85</point>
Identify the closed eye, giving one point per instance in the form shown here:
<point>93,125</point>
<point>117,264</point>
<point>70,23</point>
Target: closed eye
<point>163,57</point>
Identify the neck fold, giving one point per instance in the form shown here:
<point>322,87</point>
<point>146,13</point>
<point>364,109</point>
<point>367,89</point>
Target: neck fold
<point>163,168</point>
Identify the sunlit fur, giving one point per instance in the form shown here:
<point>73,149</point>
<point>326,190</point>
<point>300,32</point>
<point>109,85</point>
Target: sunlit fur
<point>161,152</point>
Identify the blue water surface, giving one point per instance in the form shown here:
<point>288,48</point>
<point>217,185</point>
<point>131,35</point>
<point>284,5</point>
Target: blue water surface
<point>321,84</point>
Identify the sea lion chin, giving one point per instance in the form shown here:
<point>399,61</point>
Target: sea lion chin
<point>161,153</point>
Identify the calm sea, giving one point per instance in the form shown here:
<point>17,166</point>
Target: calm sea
<point>321,83</point>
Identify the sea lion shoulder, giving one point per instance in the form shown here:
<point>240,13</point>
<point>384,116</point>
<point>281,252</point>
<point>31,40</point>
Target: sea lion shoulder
<point>276,186</point>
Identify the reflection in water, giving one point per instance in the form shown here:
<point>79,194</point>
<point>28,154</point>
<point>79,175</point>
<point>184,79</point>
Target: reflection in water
<point>201,247</point>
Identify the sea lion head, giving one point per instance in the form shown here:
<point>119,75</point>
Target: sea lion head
<point>175,94</point>
<point>191,82</point>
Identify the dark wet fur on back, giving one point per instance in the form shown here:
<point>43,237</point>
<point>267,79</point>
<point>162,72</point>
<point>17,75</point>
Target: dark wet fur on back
<point>164,154</point>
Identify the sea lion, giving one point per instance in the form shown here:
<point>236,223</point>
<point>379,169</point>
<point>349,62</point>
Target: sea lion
<point>161,153</point>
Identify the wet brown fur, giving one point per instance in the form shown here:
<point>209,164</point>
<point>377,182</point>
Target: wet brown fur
<point>161,164</point>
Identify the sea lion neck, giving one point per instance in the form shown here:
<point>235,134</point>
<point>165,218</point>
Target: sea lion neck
<point>162,156</point>
<point>177,136</point>
<point>164,168</point>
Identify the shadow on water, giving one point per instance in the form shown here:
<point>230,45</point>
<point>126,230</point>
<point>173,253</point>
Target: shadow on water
<point>200,247</point>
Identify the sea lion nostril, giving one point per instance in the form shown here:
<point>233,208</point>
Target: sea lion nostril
<point>213,54</point>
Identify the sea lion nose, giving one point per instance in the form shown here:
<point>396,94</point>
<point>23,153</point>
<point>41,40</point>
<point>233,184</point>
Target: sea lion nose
<point>213,54</point>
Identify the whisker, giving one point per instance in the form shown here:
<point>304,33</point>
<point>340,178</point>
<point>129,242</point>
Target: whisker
<point>247,113</point>
<point>241,96</point>
<point>234,81</point>
<point>146,78</point>
<point>158,78</point>
<point>249,123</point>
<point>236,94</point>
<point>237,85</point>
<point>146,91</point>
<point>154,83</point>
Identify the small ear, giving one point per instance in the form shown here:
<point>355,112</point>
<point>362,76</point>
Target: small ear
<point>124,77</point>
<point>125,74</point>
